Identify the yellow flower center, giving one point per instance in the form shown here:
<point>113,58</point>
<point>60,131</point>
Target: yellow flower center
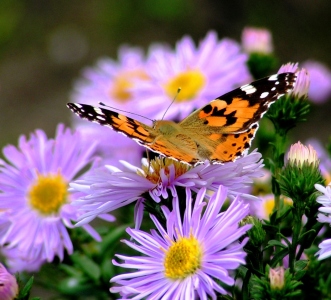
<point>183,258</point>
<point>48,194</point>
<point>269,204</point>
<point>122,84</point>
<point>152,171</point>
<point>190,82</point>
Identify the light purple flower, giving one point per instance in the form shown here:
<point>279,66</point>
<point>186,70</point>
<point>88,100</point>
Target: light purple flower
<point>188,258</point>
<point>19,261</point>
<point>302,83</point>
<point>33,183</point>
<point>325,249</point>
<point>320,81</point>
<point>203,73</point>
<point>323,156</point>
<point>8,285</point>
<point>109,188</point>
<point>257,40</point>
<point>111,82</point>
<point>324,217</point>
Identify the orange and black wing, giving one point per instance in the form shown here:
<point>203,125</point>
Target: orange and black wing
<point>134,129</point>
<point>227,125</point>
<point>239,109</point>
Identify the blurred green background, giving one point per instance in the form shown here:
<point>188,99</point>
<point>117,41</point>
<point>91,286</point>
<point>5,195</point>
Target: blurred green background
<point>45,44</point>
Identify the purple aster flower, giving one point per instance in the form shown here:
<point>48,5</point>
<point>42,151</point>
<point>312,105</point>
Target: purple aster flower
<point>111,82</point>
<point>320,81</point>
<point>8,285</point>
<point>302,83</point>
<point>324,158</point>
<point>324,217</point>
<point>109,188</point>
<point>203,73</point>
<point>33,182</point>
<point>257,40</point>
<point>188,258</point>
<point>18,261</point>
<point>325,249</point>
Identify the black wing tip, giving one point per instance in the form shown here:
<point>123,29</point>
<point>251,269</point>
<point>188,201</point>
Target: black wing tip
<point>70,105</point>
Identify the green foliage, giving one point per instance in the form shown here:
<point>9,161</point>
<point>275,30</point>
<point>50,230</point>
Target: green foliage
<point>261,289</point>
<point>262,65</point>
<point>24,290</point>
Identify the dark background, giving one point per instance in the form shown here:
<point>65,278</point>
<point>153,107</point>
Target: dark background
<point>45,44</point>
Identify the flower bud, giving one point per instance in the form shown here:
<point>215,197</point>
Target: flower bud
<point>300,174</point>
<point>276,278</point>
<point>303,80</point>
<point>299,155</point>
<point>8,285</point>
<point>257,40</point>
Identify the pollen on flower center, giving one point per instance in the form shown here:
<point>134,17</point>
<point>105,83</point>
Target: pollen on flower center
<point>48,194</point>
<point>123,82</point>
<point>183,258</point>
<point>190,82</point>
<point>152,172</point>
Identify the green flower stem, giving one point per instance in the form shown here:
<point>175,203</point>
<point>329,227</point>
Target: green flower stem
<point>307,240</point>
<point>295,238</point>
<point>278,159</point>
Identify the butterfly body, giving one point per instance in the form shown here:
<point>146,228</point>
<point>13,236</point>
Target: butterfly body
<point>221,131</point>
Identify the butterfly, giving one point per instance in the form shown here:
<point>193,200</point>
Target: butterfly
<point>220,132</point>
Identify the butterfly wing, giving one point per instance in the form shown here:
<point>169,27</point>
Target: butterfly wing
<point>132,128</point>
<point>145,135</point>
<point>225,127</point>
<point>221,131</point>
<point>239,109</point>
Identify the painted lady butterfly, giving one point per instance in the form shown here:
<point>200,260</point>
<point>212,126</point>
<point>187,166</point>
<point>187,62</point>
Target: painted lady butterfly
<point>221,131</point>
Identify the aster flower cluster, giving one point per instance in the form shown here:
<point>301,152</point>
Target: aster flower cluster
<point>244,228</point>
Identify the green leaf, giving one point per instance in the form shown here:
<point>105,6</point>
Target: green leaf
<point>284,214</point>
<point>70,270</point>
<point>25,291</point>
<point>288,243</point>
<point>278,257</point>
<point>300,269</point>
<point>90,268</point>
<point>111,240</point>
<point>275,243</point>
<point>303,236</point>
<point>74,286</point>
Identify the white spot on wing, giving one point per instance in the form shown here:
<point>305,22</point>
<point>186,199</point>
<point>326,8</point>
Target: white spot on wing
<point>98,110</point>
<point>273,89</point>
<point>273,77</point>
<point>264,94</point>
<point>248,89</point>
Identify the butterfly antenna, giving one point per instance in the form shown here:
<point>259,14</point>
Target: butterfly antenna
<point>128,112</point>
<point>178,91</point>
